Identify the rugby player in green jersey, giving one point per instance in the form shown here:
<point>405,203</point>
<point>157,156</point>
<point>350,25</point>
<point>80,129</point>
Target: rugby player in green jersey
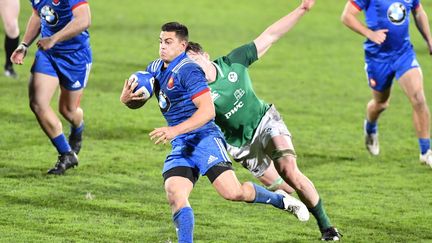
<point>254,130</point>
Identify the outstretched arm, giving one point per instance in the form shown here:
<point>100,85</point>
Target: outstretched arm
<point>349,18</point>
<point>80,22</point>
<point>275,31</point>
<point>422,23</point>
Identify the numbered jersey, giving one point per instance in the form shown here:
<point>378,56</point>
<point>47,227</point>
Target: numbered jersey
<point>387,14</point>
<point>55,15</point>
<point>238,109</point>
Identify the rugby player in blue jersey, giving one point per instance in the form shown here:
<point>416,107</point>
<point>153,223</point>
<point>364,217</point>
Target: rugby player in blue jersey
<point>389,54</point>
<point>64,57</point>
<point>198,146</point>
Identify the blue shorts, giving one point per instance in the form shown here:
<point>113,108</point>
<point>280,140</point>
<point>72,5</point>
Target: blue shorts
<point>200,150</point>
<point>380,74</point>
<point>72,69</point>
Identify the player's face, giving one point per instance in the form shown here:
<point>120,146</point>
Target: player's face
<point>170,46</point>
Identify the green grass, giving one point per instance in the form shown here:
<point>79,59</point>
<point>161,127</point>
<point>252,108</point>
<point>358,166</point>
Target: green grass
<point>315,77</point>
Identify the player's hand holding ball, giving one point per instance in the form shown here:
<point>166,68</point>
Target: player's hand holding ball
<point>137,89</point>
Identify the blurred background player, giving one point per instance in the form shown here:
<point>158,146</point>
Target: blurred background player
<point>254,130</point>
<point>9,11</point>
<point>198,146</point>
<point>64,57</point>
<point>389,54</point>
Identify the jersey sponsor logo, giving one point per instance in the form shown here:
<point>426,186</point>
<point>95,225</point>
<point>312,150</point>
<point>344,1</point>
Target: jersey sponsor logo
<point>170,84</point>
<point>238,94</point>
<point>214,95</point>
<point>397,13</point>
<point>56,2</point>
<point>234,110</point>
<point>164,102</point>
<point>232,77</point>
<point>49,15</point>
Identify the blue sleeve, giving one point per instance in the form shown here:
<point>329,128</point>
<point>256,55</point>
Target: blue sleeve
<point>416,3</point>
<point>360,4</point>
<point>76,3</point>
<point>194,81</point>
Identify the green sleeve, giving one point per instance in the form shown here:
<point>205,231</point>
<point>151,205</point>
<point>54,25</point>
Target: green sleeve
<point>244,55</point>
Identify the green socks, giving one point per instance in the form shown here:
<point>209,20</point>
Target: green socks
<point>320,215</point>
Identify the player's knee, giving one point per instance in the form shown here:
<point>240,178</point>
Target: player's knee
<point>35,106</point>
<point>419,101</point>
<point>175,200</point>
<point>234,194</point>
<point>11,29</point>
<point>67,111</point>
<point>382,105</point>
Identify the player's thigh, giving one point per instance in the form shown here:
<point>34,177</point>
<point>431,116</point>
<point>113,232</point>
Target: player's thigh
<point>69,99</point>
<point>9,12</point>
<point>42,88</point>
<point>411,83</point>
<point>227,184</point>
<point>381,97</point>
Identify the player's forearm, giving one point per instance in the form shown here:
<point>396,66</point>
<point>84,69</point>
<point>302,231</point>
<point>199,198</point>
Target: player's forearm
<point>275,31</point>
<point>422,23</point>
<point>32,30</point>
<point>201,116</point>
<point>72,29</point>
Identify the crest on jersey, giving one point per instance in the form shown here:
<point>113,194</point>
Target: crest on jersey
<point>49,15</point>
<point>164,102</point>
<point>170,84</point>
<point>36,2</point>
<point>397,13</point>
<point>232,77</point>
<point>56,2</point>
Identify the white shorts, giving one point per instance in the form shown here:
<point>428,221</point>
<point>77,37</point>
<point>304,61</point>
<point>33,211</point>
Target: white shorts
<point>252,155</point>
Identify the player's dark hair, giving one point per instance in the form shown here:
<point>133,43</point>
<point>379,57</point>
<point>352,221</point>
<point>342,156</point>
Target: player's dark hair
<point>180,30</point>
<point>195,47</point>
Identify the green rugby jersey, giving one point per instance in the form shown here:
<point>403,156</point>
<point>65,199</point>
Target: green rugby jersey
<point>238,109</point>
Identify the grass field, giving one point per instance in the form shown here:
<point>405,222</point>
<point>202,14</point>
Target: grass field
<point>315,77</point>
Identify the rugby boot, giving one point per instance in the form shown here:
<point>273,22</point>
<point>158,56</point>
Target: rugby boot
<point>65,161</point>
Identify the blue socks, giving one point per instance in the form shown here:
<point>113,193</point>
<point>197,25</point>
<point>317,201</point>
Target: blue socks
<point>184,223</point>
<point>424,144</point>
<point>77,131</point>
<point>61,144</point>
<point>371,127</point>
<point>267,197</point>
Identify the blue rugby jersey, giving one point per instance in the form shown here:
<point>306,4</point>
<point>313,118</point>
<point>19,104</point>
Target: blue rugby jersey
<point>55,15</point>
<point>175,88</point>
<point>387,14</point>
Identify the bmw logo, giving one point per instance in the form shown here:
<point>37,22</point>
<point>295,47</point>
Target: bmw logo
<point>49,15</point>
<point>397,13</point>
<point>164,102</point>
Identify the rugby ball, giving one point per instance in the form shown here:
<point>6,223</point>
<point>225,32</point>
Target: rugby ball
<point>145,86</point>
